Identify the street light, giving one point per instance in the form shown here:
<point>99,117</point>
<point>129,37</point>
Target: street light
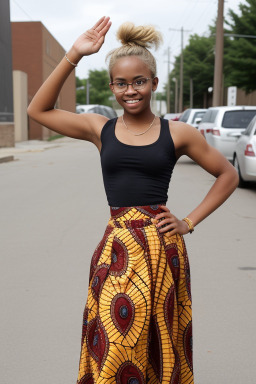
<point>87,88</point>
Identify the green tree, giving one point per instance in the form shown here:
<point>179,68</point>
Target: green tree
<point>240,59</point>
<point>80,90</point>
<point>199,57</point>
<point>198,66</point>
<point>100,92</point>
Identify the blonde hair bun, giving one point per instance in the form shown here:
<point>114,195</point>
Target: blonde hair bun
<point>145,36</point>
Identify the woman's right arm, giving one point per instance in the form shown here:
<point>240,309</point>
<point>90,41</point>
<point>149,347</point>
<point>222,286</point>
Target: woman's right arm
<point>41,108</point>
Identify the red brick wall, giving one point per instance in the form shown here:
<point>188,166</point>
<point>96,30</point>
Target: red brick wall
<point>52,55</point>
<point>27,57</point>
<point>36,52</point>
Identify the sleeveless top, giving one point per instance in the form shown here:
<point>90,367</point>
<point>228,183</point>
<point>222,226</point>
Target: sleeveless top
<point>136,174</point>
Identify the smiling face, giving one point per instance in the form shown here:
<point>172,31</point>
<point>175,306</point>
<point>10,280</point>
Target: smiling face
<point>128,69</point>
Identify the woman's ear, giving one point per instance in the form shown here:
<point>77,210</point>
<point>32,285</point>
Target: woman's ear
<point>155,83</point>
<point>111,87</point>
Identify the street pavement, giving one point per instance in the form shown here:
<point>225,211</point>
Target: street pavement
<point>53,213</point>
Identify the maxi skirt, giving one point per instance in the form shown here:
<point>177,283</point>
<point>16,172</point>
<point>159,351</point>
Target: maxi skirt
<point>137,322</point>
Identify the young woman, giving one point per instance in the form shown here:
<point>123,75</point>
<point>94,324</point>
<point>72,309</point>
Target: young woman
<point>137,323</point>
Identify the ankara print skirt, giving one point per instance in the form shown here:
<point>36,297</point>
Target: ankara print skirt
<point>137,322</point>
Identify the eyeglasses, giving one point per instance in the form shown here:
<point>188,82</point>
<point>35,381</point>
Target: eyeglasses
<point>121,86</point>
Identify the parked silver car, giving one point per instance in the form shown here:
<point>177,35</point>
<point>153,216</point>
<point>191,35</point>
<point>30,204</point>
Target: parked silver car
<point>96,108</point>
<point>172,116</point>
<point>222,126</point>
<point>192,116</point>
<point>244,158</point>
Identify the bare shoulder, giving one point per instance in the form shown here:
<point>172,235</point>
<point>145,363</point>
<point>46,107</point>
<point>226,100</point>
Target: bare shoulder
<point>189,141</point>
<point>184,137</point>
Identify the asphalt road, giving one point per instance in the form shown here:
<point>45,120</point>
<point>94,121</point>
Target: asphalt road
<point>53,212</point>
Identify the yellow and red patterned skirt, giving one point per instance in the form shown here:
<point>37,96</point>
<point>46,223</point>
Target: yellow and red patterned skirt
<point>137,323</point>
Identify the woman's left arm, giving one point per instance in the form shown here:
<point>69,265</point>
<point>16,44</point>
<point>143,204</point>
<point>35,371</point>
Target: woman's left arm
<point>189,141</point>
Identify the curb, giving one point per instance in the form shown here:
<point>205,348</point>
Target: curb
<point>5,159</point>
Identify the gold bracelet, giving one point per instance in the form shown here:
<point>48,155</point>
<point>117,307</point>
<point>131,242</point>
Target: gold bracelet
<point>75,65</point>
<point>189,223</point>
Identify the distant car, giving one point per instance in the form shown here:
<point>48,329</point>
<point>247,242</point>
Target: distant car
<point>193,116</point>
<point>88,108</point>
<point>96,108</point>
<point>221,126</point>
<point>172,116</point>
<point>244,158</point>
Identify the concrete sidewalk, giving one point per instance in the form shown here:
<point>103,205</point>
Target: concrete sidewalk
<point>9,153</point>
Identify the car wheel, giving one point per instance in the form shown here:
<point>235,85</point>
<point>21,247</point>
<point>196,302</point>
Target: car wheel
<point>242,183</point>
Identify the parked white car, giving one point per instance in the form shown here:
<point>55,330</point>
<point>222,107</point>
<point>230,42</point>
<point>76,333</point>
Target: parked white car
<point>96,108</point>
<point>192,116</point>
<point>244,159</point>
<point>222,126</point>
<point>172,116</point>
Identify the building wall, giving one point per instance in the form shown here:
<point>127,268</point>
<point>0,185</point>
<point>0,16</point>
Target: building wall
<point>27,57</point>
<point>245,99</point>
<point>53,53</point>
<point>20,102</point>
<point>242,98</point>
<point>36,52</point>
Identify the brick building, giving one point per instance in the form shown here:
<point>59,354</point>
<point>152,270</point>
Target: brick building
<point>36,52</point>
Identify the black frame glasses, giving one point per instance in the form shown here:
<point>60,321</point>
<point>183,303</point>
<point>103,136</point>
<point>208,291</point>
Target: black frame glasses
<point>120,86</point>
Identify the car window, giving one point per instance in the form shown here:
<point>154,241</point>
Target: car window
<point>107,113</point>
<point>80,110</point>
<point>104,111</point>
<point>237,119</point>
<point>100,110</point>
<point>209,116</point>
<point>91,110</point>
<point>94,110</point>
<point>185,115</point>
<point>83,110</point>
<point>112,113</point>
<point>198,115</point>
<point>250,127</point>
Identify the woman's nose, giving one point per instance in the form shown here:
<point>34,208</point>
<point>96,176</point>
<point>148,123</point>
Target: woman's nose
<point>130,90</point>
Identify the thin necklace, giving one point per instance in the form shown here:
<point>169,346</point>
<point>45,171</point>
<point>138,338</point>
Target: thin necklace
<point>137,134</point>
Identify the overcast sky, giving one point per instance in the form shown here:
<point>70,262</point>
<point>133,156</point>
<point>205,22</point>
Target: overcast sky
<point>67,20</point>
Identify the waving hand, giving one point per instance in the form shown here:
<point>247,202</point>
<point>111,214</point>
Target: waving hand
<point>91,41</point>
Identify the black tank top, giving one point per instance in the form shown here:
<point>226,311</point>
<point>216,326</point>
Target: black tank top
<point>136,174</point>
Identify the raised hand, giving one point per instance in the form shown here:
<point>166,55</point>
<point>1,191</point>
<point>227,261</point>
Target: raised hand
<point>91,41</point>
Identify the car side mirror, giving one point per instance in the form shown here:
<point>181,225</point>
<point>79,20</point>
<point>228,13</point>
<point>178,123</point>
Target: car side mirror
<point>198,120</point>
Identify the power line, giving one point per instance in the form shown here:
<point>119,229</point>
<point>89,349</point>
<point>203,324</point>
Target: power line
<point>185,17</point>
<point>235,35</point>
<point>202,14</point>
<point>18,5</point>
<point>181,67</point>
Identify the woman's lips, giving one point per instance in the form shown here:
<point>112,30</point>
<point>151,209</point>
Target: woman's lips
<point>133,101</point>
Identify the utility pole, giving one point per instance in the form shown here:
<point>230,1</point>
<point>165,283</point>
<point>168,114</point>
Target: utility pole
<point>176,94</point>
<point>218,65</point>
<point>181,74</point>
<point>181,67</point>
<point>168,82</point>
<point>87,92</point>
<point>191,92</point>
